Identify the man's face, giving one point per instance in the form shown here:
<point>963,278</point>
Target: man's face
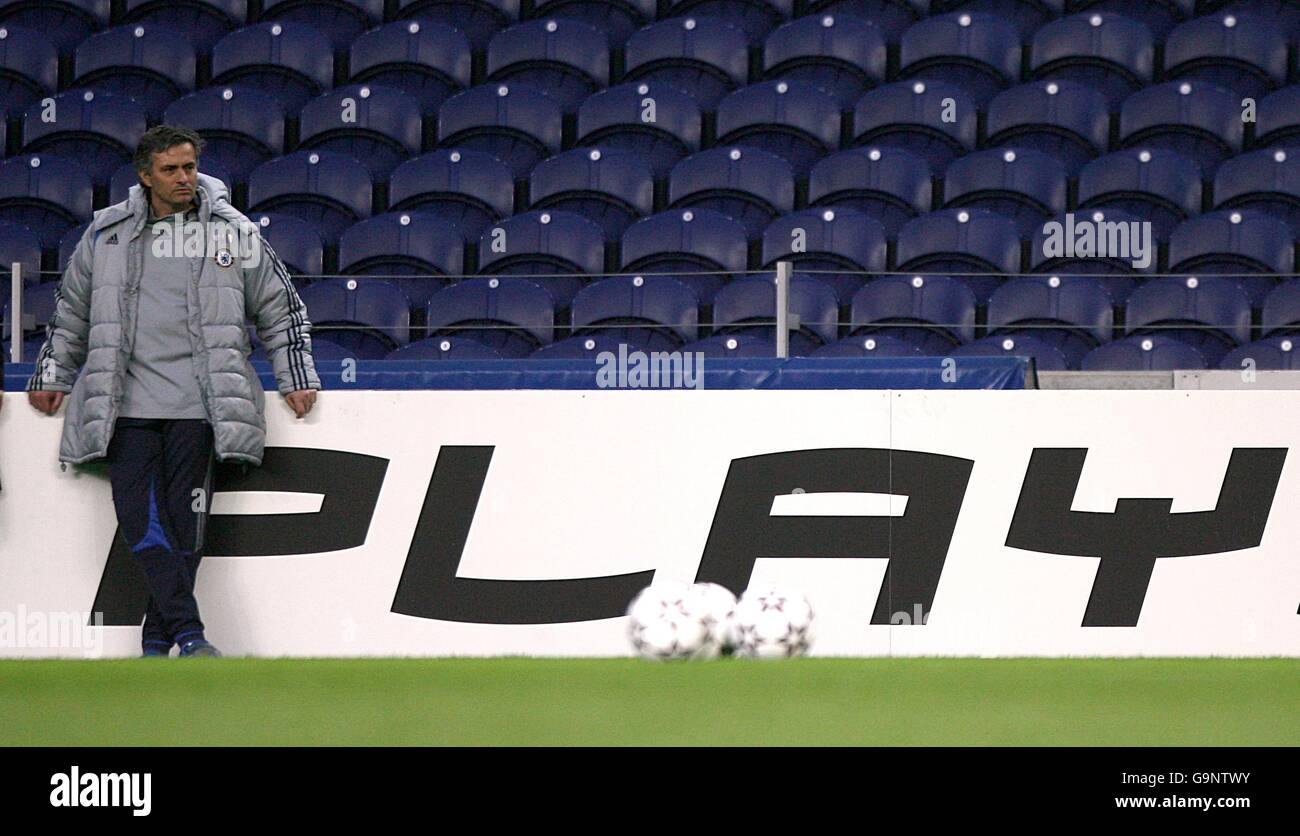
<point>173,178</point>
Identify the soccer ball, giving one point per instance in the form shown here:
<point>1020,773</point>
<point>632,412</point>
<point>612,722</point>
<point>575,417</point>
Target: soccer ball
<point>717,607</point>
<point>773,623</point>
<point>665,622</point>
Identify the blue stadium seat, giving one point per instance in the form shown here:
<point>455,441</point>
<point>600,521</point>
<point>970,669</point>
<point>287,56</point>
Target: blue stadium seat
<point>204,22</point>
<point>479,19</point>
<point>933,313</point>
<point>67,245</point>
<point>445,348</point>
<point>748,305</point>
<point>1046,357</point>
<point>1159,16</point>
<point>1025,15</point>
<point>514,123</point>
<point>724,346</point>
<point>618,19</point>
<point>29,68</point>
<point>31,345</point>
<point>565,58</point>
<point>1072,313</point>
<point>1211,314</point>
<point>325,350</point>
<point>289,61</point>
<point>368,318</point>
<point>912,115</point>
<point>415,251</point>
<point>513,316</point>
<point>332,191</point>
<point>469,189</point>
<point>339,20</point>
<point>702,57</point>
<point>976,52</point>
<point>378,126</point>
<point>151,64</point>
<point>544,242</point>
<point>1092,242</point>
<point>609,187</point>
<point>20,244</point>
<point>893,17</point>
<point>97,130</point>
<point>1107,52</point>
<point>1156,185</point>
<point>430,61</point>
<point>587,347</point>
<point>655,121</point>
<point>792,119</point>
<point>753,17</point>
<point>1284,13</point>
<point>1065,119</point>
<point>240,126</point>
<point>119,185</point>
<point>699,246</point>
<point>1249,246</point>
<point>1269,354</point>
<point>295,242</point>
<point>841,54</point>
<point>956,241</point>
<point>873,345</point>
<point>65,22</point>
<point>46,193</point>
<point>1281,311</point>
<point>1244,54</point>
<point>1194,118</point>
<point>1148,353</point>
<point>656,313</point>
<point>752,186</point>
<point>1266,181</point>
<point>1019,183</point>
<point>836,243</point>
<point>1278,119</point>
<point>889,184</point>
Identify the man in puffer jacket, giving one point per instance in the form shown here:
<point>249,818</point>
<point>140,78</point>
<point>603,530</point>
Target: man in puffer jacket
<point>154,303</point>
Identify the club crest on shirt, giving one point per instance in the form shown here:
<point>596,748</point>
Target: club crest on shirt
<point>223,241</point>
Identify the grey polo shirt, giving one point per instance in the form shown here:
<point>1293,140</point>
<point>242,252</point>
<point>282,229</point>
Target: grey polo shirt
<point>160,377</point>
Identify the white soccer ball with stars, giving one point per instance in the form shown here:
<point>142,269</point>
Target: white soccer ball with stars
<point>717,606</point>
<point>773,623</point>
<point>666,621</point>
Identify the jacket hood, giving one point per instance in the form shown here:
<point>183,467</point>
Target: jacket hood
<point>211,192</point>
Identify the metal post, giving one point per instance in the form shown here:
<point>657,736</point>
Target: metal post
<point>783,269</point>
<point>16,312</point>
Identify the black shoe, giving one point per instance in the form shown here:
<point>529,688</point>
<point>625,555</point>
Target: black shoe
<point>157,648</point>
<point>199,647</point>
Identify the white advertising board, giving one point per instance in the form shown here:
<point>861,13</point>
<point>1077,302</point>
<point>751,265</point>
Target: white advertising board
<point>973,523</point>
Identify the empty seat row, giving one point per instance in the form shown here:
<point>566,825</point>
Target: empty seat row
<point>721,205</point>
<point>934,314</point>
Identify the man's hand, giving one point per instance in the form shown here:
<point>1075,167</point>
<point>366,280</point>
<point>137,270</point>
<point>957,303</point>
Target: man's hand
<point>47,402</point>
<point>301,401</point>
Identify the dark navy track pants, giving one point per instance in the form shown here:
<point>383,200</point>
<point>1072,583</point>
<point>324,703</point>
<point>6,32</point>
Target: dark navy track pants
<point>161,471</point>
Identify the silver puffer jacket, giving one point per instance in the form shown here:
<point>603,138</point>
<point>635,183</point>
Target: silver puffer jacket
<point>95,315</point>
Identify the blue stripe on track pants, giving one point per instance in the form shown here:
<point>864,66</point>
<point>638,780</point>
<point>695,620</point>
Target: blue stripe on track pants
<point>161,472</point>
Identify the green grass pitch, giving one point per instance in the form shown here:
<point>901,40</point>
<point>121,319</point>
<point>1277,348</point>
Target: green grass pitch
<point>515,701</point>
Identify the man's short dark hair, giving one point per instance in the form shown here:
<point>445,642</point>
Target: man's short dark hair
<point>161,137</point>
